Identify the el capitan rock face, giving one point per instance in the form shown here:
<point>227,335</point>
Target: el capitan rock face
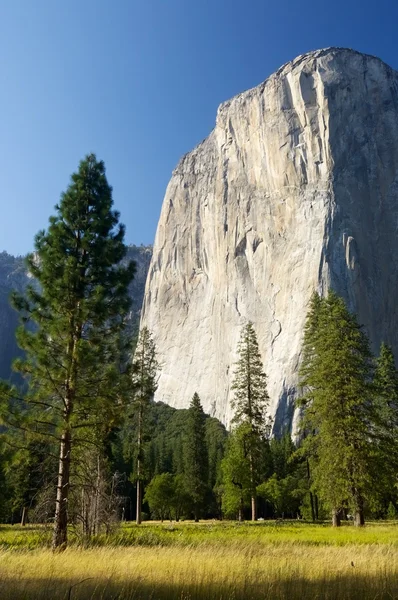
<point>295,189</point>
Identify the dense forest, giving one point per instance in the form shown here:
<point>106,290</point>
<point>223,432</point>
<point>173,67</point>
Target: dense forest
<point>83,444</point>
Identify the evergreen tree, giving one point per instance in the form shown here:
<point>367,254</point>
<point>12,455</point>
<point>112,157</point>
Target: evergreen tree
<point>73,350</point>
<point>144,373</point>
<point>386,383</point>
<point>250,403</point>
<point>309,354</point>
<point>195,456</point>
<point>236,476</point>
<point>386,399</point>
<point>163,449</point>
<point>216,436</point>
<point>339,415</point>
<point>5,487</point>
<point>31,473</point>
<point>282,451</point>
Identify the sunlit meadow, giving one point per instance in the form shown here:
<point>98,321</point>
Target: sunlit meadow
<point>207,560</point>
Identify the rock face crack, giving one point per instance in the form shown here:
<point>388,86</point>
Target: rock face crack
<point>295,190</point>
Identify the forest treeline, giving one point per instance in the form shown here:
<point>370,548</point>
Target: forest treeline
<point>83,444</point>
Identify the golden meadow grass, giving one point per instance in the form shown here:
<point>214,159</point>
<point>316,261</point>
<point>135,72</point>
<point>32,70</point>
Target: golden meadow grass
<point>224,561</point>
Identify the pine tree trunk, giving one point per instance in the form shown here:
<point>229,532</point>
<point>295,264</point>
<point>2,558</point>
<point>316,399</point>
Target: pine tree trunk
<point>311,494</point>
<point>83,510</point>
<point>240,514</point>
<point>312,507</point>
<point>336,517</point>
<point>60,534</point>
<point>138,514</point>
<point>138,518</point>
<point>253,486</point>
<point>316,508</point>
<point>97,498</point>
<point>254,509</point>
<point>359,517</point>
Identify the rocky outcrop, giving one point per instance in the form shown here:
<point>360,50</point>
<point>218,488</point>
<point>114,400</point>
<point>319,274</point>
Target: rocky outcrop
<point>295,189</point>
<point>13,276</point>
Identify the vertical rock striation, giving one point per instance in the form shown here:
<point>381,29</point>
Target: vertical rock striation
<point>295,189</point>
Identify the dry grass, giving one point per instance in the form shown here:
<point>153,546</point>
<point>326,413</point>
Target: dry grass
<point>244,567</point>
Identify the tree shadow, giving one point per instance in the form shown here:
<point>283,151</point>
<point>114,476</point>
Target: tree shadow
<point>342,587</point>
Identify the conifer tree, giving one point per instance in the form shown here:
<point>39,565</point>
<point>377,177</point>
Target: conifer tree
<point>386,383</point>
<point>195,455</point>
<point>386,400</point>
<point>309,353</point>
<point>144,383</point>
<point>236,475</point>
<point>282,450</point>
<point>250,403</point>
<point>73,350</point>
<point>216,436</point>
<point>339,413</point>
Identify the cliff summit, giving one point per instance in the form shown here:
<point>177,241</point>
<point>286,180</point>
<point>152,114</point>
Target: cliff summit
<point>295,189</point>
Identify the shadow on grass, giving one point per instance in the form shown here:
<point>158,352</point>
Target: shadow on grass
<point>339,588</point>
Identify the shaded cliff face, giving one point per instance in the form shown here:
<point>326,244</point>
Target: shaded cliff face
<point>141,255</point>
<point>295,189</point>
<point>13,276</point>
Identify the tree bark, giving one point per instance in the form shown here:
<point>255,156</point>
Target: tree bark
<point>336,517</point>
<point>316,508</point>
<point>138,514</point>
<point>97,498</point>
<point>253,485</point>
<point>359,517</point>
<point>312,507</point>
<point>311,494</point>
<point>254,509</point>
<point>138,518</point>
<point>60,534</point>
<point>240,514</point>
<point>24,516</point>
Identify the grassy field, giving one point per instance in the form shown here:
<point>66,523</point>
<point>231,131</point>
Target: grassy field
<point>207,560</point>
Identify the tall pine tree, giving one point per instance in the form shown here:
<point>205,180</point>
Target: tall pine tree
<point>339,413</point>
<point>77,311</point>
<point>144,383</point>
<point>195,456</point>
<point>237,483</point>
<point>386,383</point>
<point>250,403</point>
<point>386,399</point>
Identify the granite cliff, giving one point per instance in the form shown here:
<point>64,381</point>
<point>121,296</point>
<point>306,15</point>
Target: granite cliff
<point>295,189</point>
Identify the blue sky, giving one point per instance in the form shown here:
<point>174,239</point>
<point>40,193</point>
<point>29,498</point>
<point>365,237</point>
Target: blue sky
<point>139,83</point>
